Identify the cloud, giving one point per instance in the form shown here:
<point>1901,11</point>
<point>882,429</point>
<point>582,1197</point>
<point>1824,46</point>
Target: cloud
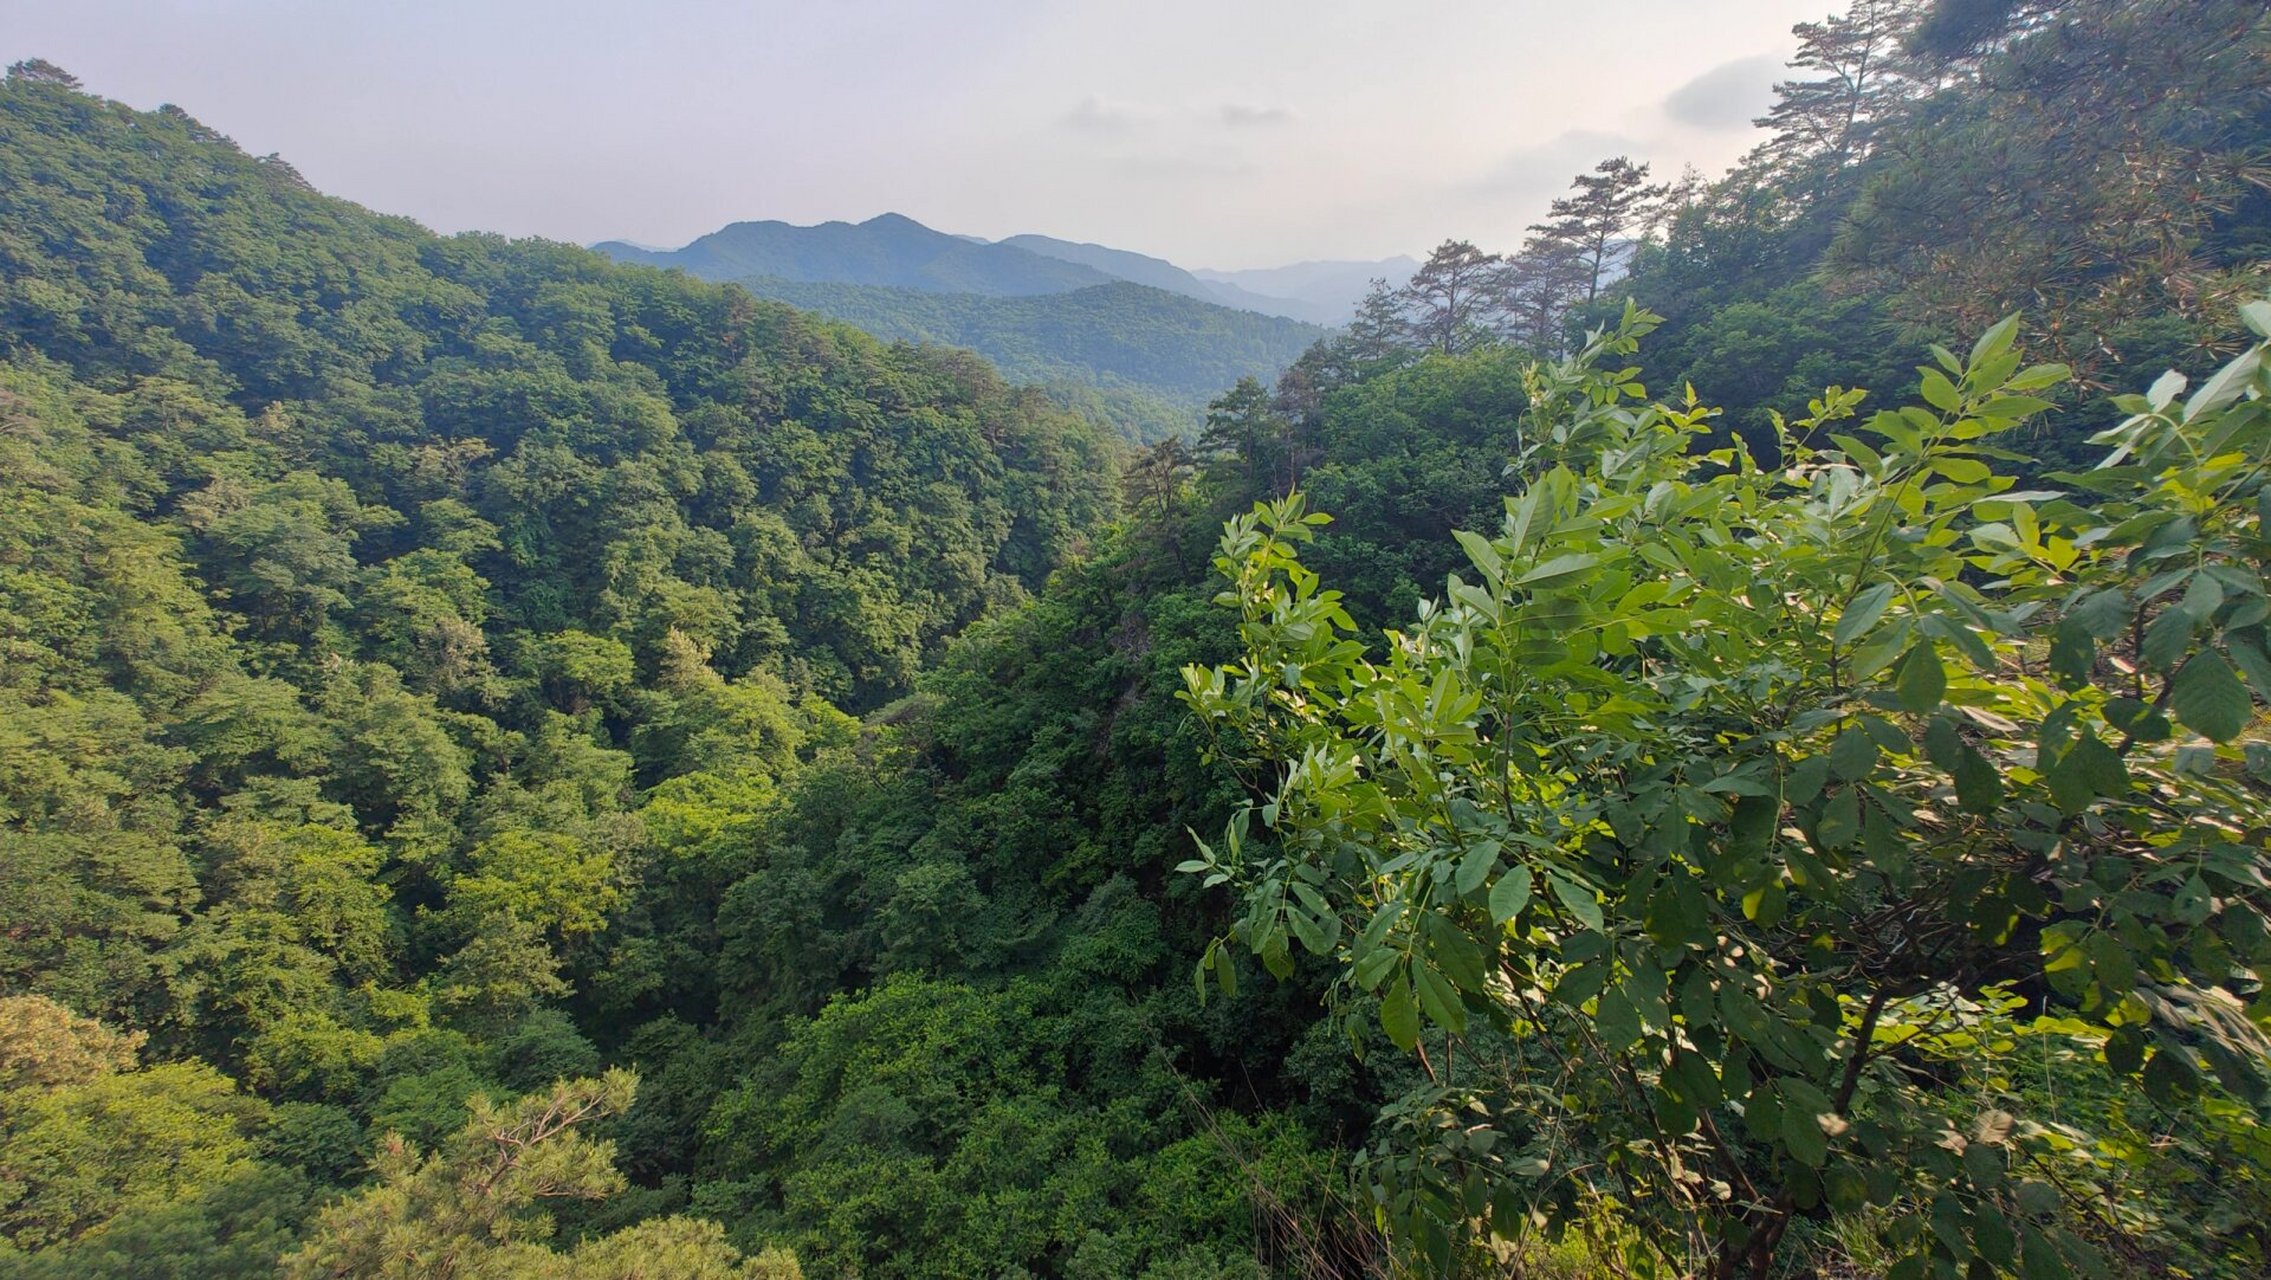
<point>1239,115</point>
<point>1095,114</point>
<point>1728,96</point>
<point>1549,166</point>
<point>1185,166</point>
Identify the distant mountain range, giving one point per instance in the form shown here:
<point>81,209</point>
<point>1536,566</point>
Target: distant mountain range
<point>1136,339</point>
<point>1339,285</point>
<point>898,252</point>
<point>890,250</point>
<point>1145,360</point>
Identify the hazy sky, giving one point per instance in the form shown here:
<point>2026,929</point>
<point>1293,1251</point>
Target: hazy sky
<point>1218,133</point>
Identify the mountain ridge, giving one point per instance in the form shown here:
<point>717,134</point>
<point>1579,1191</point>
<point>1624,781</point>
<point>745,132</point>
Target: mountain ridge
<point>896,251</point>
<point>888,249</point>
<point>1138,342</point>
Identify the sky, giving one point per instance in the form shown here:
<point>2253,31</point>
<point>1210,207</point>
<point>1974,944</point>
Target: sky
<point>1214,133</point>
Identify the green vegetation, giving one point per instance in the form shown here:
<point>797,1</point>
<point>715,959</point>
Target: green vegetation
<point>1130,342</point>
<point>1144,359</point>
<point>1716,836</point>
<point>516,764</point>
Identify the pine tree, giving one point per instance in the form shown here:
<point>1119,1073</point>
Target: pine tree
<point>1829,122</point>
<point>1603,208</point>
<point>1379,328</point>
<point>41,71</point>
<point>1456,298</point>
<point>1544,281</point>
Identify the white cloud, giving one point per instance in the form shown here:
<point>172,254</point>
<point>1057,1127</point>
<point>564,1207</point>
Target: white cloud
<point>1239,115</point>
<point>1096,114</point>
<point>1729,96</point>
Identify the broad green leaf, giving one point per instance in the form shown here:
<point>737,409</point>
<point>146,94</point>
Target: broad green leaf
<point>1439,999</point>
<point>1939,392</point>
<point>1484,555</point>
<point>1510,894</point>
<point>1399,1016</point>
<point>1558,568</point>
<point>1995,341</point>
<point>1476,866</point>
<point>2208,698</point>
<point>1979,788</point>
<point>1862,614</point>
<point>1617,1021</point>
<point>1853,754</point>
<point>1920,683</point>
<point>1454,952</point>
<point>1579,900</point>
<point>1802,1135</point>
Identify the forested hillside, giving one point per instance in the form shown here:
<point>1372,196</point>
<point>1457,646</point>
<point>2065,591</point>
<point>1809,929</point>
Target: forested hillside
<point>1152,359</point>
<point>890,249</point>
<point>1131,342</point>
<point>518,765</point>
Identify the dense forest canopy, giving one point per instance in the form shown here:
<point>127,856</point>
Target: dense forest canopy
<point>1141,359</point>
<point>517,764</point>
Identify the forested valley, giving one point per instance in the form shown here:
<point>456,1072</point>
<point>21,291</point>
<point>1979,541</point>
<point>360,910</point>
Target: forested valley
<point>514,764</point>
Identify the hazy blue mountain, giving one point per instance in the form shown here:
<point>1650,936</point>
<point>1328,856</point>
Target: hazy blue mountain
<point>1120,264</point>
<point>1133,340</point>
<point>1146,360</point>
<point>892,250</point>
<point>1159,273</point>
<point>1331,288</point>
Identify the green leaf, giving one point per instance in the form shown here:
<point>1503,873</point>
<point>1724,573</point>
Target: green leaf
<point>1995,341</point>
<point>1439,999</point>
<point>1579,900</point>
<point>1454,952</point>
<point>1557,568</point>
<point>1476,867</point>
<point>2085,772</point>
<point>2209,698</point>
<point>1853,754</point>
<point>1617,1020</point>
<point>1919,683</point>
<point>1802,1134</point>
<point>2246,650</point>
<point>2072,655</point>
<point>1939,392</point>
<point>1484,555</point>
<point>1979,788</point>
<point>1510,895</point>
<point>1841,819</point>
<point>2166,639</point>
<point>1862,614</point>
<point>1399,1017</point>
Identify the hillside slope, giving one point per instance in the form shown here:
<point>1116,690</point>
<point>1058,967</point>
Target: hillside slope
<point>890,249</point>
<point>1119,339</point>
<point>1159,273</point>
<point>634,436</point>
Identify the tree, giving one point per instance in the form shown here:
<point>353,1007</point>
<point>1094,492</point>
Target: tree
<point>1825,124</point>
<point>41,71</point>
<point>78,1155</point>
<point>1544,282</point>
<point>1155,480</point>
<point>1455,298</point>
<point>1379,329</point>
<point>44,1045</point>
<point>1605,206</point>
<point>471,1209</point>
<point>1244,426</point>
<point>1722,823</point>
